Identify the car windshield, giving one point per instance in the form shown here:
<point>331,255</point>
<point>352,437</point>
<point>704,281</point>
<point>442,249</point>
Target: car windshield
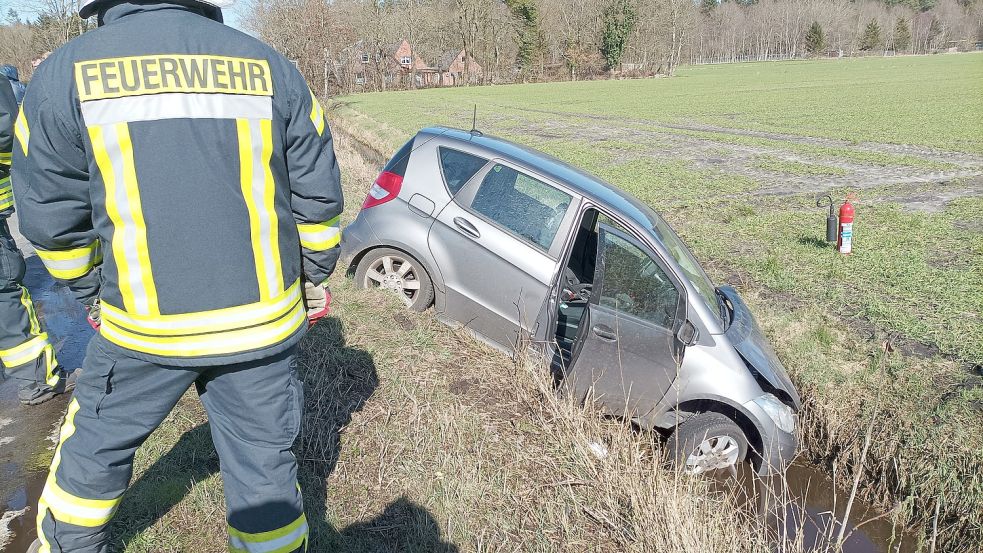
<point>690,266</point>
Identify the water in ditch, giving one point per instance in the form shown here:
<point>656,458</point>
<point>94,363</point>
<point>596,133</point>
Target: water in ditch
<point>804,509</point>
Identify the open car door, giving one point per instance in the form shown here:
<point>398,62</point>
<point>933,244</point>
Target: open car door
<point>628,355</point>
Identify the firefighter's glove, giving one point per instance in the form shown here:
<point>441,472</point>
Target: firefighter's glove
<point>318,300</point>
<point>94,315</point>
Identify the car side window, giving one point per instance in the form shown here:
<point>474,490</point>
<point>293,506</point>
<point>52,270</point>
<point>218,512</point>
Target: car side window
<point>458,167</point>
<point>635,284</point>
<point>527,207</point>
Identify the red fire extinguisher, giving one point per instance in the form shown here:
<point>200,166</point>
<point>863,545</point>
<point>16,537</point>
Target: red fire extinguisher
<point>844,243</point>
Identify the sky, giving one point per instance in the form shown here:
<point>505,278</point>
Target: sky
<point>29,9</point>
<point>235,15</point>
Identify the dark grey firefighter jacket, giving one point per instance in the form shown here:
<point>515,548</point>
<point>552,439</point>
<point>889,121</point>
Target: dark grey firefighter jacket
<point>183,173</point>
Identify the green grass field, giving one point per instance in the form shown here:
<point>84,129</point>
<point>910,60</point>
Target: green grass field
<point>928,100</point>
<point>418,439</point>
<point>734,157</point>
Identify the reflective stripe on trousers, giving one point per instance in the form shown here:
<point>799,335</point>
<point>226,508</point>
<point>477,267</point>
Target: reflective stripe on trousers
<point>254,411</point>
<point>25,349</point>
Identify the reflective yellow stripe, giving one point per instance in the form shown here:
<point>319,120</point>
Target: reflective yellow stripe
<point>113,151</point>
<point>71,264</point>
<point>317,114</point>
<point>320,237</point>
<point>25,352</point>
<point>219,320</point>
<point>34,347</point>
<point>64,506</point>
<point>281,540</point>
<point>50,364</point>
<point>25,300</point>
<point>4,204</point>
<point>22,130</point>
<point>218,343</point>
<point>259,193</point>
<point>6,158</point>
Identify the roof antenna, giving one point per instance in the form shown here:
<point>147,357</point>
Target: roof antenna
<point>474,123</point>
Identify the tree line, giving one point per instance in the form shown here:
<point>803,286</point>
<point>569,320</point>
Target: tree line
<point>546,40</point>
<point>345,46</point>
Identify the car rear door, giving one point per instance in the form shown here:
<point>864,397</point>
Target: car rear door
<point>497,246</point>
<point>629,355</point>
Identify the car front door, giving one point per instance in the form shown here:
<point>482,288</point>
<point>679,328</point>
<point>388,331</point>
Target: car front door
<point>629,355</point>
<point>497,246</point>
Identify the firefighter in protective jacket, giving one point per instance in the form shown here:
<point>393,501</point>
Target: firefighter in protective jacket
<point>24,347</point>
<point>180,177</point>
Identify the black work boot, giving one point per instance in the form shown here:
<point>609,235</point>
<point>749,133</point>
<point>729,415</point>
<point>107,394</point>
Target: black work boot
<point>37,395</point>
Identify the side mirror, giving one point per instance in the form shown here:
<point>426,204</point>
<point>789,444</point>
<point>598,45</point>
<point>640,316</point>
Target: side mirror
<point>688,334</point>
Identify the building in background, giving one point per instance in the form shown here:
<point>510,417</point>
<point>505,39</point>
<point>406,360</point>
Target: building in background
<point>457,67</point>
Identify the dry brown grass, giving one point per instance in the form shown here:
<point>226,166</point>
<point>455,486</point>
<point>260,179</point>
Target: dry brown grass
<point>417,438</point>
<point>923,461</point>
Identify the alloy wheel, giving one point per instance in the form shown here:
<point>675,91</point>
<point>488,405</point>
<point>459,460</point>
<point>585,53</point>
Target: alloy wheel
<point>395,274</point>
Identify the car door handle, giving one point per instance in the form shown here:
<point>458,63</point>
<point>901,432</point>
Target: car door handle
<point>467,227</point>
<point>605,333</point>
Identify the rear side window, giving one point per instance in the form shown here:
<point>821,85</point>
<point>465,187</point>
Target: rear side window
<point>458,168</point>
<point>527,207</point>
<point>397,165</point>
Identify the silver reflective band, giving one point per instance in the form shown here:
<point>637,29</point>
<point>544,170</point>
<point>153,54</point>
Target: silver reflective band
<point>158,107</point>
<point>129,232</point>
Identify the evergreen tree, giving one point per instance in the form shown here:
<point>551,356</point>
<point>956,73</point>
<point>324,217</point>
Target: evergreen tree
<point>815,39</point>
<point>902,35</point>
<point>871,38</point>
<point>618,21</point>
<point>527,15</point>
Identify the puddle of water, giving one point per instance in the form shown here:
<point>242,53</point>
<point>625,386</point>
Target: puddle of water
<point>803,506</point>
<point>22,529</point>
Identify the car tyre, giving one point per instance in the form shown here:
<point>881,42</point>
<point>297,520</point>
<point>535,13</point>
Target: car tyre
<point>707,442</point>
<point>398,273</point>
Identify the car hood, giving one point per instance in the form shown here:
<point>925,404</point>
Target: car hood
<point>750,342</point>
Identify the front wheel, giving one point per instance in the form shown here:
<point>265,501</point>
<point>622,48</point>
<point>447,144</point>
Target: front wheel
<point>398,273</point>
<point>708,442</point>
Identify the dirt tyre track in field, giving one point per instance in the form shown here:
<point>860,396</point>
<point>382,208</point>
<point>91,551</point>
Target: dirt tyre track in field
<point>781,163</point>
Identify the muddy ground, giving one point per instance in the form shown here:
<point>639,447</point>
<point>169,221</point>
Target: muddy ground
<point>28,434</point>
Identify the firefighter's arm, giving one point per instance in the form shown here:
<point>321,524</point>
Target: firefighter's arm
<point>8,114</point>
<point>51,187</point>
<point>315,184</point>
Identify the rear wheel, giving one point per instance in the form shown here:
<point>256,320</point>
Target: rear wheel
<point>398,273</point>
<point>708,442</point>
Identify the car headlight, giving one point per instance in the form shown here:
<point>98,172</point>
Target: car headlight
<point>781,414</point>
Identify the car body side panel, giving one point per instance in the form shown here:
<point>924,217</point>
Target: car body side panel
<point>379,226</point>
<point>629,375</point>
<point>495,283</point>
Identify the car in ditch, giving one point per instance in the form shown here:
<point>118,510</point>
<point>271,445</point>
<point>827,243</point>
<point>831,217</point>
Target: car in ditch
<point>522,248</point>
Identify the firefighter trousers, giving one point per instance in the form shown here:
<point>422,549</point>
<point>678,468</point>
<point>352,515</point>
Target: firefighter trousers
<point>254,411</point>
<point>24,348</point>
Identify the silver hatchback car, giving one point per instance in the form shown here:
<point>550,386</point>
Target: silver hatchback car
<point>516,245</point>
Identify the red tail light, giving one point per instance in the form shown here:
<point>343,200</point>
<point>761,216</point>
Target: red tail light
<point>386,188</point>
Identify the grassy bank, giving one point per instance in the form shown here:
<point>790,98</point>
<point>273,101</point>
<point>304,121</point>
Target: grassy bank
<point>416,438</point>
<point>734,157</point>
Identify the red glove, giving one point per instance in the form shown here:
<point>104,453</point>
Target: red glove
<point>318,302</point>
<point>94,315</point>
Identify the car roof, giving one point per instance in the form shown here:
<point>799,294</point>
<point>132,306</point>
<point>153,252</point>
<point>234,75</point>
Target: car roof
<point>580,181</point>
